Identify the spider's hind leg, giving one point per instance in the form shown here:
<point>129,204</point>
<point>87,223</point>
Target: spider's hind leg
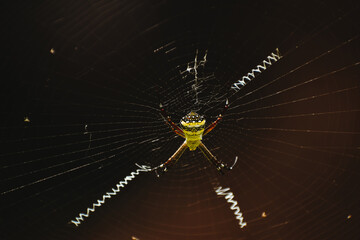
<point>171,161</point>
<point>218,164</point>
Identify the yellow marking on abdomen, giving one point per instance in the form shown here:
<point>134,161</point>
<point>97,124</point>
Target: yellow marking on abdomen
<point>193,139</point>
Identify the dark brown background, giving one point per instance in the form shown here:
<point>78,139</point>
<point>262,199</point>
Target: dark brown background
<point>295,128</point>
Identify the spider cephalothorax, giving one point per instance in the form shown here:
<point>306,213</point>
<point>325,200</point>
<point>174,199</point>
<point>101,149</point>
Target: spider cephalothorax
<point>192,118</point>
<point>193,129</point>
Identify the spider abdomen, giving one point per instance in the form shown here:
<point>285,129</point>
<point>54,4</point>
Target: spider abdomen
<point>193,139</point>
<point>193,126</point>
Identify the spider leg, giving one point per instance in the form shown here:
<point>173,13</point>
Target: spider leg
<point>219,118</point>
<point>217,163</point>
<point>172,125</point>
<point>173,158</point>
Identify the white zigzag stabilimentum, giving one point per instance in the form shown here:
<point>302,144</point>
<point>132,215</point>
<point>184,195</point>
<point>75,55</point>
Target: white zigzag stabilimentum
<point>121,184</point>
<point>273,57</point>
<point>229,197</point>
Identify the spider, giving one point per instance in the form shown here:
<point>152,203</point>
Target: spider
<point>193,129</point>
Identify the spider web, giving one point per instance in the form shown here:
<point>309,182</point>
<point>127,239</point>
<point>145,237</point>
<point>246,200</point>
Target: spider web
<point>81,108</point>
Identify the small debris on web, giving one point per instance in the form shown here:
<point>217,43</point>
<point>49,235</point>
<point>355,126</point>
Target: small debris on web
<point>26,119</point>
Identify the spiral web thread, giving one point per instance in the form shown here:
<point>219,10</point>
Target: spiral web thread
<point>121,184</point>
<point>229,197</point>
<point>272,58</point>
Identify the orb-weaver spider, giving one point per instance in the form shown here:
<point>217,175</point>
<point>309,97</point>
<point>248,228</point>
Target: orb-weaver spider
<point>193,129</point>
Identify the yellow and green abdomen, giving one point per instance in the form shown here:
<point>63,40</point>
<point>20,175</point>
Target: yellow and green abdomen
<point>193,138</point>
<point>193,130</point>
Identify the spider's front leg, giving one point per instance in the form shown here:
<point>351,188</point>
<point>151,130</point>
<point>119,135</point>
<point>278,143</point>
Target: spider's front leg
<point>219,118</point>
<point>172,125</point>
